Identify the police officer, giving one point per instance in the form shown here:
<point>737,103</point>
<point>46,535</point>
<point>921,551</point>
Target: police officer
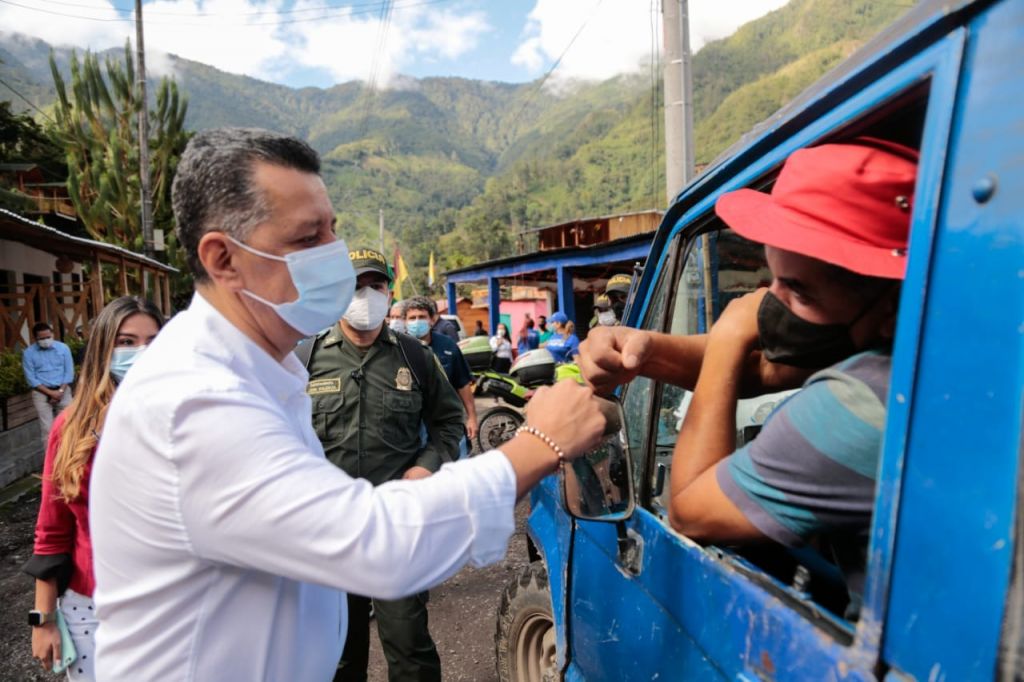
<point>603,313</point>
<point>617,291</point>
<point>371,389</point>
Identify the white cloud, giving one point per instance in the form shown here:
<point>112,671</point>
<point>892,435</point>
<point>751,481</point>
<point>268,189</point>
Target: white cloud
<point>57,29</point>
<point>233,35</point>
<point>617,35</point>
<point>268,39</point>
<point>348,45</point>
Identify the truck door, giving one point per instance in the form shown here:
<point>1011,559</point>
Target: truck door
<point>646,603</point>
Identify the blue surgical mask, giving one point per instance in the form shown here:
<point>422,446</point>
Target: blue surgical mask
<point>122,360</point>
<point>418,328</point>
<point>325,280</point>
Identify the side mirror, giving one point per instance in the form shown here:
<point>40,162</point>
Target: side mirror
<point>599,485</point>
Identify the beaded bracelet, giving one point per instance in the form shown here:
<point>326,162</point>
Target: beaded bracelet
<point>534,431</point>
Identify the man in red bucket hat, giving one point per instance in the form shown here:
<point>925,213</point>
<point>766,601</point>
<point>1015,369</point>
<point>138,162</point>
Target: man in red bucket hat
<point>835,229</point>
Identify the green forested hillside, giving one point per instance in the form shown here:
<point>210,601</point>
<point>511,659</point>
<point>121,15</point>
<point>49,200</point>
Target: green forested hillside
<point>459,166</point>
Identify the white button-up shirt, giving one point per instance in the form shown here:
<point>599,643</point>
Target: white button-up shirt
<point>224,541</point>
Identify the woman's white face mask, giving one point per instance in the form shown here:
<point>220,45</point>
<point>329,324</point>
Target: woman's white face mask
<point>367,310</point>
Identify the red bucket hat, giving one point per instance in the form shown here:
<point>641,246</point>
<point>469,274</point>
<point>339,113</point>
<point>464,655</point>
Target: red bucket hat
<point>847,204</point>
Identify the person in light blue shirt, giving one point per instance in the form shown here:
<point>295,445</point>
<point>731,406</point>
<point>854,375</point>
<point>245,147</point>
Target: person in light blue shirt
<point>564,345</point>
<point>49,372</point>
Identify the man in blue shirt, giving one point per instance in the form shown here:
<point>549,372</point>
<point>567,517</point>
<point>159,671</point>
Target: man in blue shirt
<point>49,371</point>
<point>420,317</point>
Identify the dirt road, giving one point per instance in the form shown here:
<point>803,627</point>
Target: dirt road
<point>462,611</point>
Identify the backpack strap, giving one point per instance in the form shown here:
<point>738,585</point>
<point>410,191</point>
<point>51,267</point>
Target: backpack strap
<point>415,359</point>
<point>304,351</point>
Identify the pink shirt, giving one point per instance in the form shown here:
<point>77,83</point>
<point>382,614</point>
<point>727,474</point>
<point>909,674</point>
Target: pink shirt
<point>63,527</point>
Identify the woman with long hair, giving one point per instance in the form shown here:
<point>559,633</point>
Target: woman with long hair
<point>62,559</point>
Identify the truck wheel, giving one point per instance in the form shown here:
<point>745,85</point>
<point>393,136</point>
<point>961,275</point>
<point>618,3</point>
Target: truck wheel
<point>525,639</point>
<point>497,426</point>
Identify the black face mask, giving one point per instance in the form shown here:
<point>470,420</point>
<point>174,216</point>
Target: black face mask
<point>788,339</point>
<point>619,307</point>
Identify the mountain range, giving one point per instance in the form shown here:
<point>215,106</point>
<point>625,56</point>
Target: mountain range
<point>460,166</point>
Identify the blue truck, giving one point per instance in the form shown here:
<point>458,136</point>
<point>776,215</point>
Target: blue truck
<point>614,593</point>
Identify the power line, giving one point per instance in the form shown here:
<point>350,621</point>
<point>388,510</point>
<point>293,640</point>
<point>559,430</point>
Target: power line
<point>292,10</point>
<point>540,84</point>
<point>327,13</point>
<point>26,99</point>
<point>60,14</point>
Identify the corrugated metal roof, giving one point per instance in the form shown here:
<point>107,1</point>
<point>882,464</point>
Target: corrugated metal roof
<point>17,167</point>
<point>595,219</point>
<point>27,229</point>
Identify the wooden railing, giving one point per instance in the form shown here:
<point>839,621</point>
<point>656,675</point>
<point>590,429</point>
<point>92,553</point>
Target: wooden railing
<point>55,205</point>
<point>22,306</point>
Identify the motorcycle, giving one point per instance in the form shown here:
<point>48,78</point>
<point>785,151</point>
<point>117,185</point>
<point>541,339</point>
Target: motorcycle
<point>532,369</point>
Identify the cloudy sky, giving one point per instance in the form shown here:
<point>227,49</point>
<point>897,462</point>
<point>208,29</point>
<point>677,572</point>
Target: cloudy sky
<point>321,42</point>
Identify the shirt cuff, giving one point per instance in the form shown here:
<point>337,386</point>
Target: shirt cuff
<point>50,566</point>
<point>429,459</point>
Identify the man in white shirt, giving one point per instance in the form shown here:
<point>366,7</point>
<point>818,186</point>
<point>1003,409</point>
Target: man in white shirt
<point>224,541</point>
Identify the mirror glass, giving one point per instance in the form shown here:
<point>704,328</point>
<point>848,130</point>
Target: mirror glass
<point>599,485</point>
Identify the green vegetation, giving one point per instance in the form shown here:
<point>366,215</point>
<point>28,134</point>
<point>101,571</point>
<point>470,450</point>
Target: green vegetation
<point>23,140</point>
<point>459,167</point>
<point>96,124</point>
<point>12,376</point>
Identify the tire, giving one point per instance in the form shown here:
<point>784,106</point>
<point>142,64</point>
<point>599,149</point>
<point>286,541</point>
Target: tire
<point>524,642</point>
<point>498,425</point>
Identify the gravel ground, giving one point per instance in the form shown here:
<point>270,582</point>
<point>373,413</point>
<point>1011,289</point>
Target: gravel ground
<point>462,610</point>
<point>463,616</point>
<point>17,522</point>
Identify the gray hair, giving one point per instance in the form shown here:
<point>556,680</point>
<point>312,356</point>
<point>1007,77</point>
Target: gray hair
<point>213,187</point>
<point>420,303</point>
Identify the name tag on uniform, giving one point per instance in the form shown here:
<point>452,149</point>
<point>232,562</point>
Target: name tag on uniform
<point>321,386</point>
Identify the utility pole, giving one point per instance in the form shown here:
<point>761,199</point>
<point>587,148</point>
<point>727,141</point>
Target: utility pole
<point>678,96</point>
<point>140,73</point>
<point>675,15</point>
<point>380,225</point>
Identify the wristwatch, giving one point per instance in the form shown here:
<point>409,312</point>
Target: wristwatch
<point>37,618</point>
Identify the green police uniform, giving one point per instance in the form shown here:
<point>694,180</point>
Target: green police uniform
<point>368,408</point>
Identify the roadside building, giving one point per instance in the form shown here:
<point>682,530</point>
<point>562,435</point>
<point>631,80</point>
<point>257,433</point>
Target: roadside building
<point>561,267</point>
<point>47,275</point>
